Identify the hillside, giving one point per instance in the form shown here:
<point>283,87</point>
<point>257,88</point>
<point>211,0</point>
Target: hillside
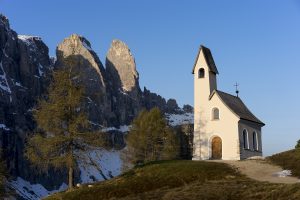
<point>183,180</point>
<point>288,160</point>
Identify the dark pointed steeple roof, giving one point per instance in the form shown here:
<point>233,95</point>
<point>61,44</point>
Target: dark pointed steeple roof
<point>209,59</point>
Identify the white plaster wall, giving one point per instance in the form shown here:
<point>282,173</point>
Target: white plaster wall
<point>202,91</point>
<point>205,128</point>
<point>226,128</point>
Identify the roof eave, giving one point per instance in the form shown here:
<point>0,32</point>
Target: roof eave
<point>261,123</point>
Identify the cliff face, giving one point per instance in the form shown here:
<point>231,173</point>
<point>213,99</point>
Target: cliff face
<point>24,70</point>
<point>123,78</point>
<point>113,94</point>
<point>121,67</point>
<point>91,74</point>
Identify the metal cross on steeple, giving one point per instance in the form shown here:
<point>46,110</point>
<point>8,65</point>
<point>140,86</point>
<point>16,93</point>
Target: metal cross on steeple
<point>236,89</point>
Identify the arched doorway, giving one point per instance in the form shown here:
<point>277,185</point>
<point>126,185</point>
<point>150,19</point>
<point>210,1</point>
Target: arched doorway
<point>216,148</point>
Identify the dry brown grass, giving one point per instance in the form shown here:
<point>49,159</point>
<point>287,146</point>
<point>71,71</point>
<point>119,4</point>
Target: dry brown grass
<point>183,180</point>
<point>288,160</point>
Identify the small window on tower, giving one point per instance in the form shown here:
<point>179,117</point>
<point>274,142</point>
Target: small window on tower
<point>201,73</point>
<point>215,114</point>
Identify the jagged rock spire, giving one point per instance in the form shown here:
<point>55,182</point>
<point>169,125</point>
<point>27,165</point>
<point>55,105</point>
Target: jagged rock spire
<point>121,67</point>
<point>78,45</point>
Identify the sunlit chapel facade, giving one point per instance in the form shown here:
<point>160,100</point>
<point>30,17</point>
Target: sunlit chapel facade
<point>224,128</point>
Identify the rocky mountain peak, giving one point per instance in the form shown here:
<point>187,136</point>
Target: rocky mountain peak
<point>4,21</point>
<point>78,45</point>
<point>29,39</point>
<point>91,74</point>
<point>121,67</point>
<point>80,49</point>
<point>79,40</point>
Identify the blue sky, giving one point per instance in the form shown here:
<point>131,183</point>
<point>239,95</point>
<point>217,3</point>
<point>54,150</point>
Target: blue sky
<point>255,43</point>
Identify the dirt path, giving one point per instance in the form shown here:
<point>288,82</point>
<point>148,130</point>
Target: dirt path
<point>261,170</point>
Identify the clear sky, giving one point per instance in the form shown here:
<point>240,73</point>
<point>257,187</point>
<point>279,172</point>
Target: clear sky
<point>256,43</point>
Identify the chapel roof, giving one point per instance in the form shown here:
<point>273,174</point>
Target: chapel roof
<point>237,106</point>
<point>209,59</point>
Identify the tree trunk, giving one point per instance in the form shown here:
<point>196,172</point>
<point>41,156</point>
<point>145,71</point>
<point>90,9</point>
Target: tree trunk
<point>71,175</point>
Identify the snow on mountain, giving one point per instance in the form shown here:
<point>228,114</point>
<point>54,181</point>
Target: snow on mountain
<point>32,191</point>
<point>41,69</point>
<point>99,164</point>
<point>28,39</point>
<point>95,165</point>
<point>180,119</point>
<point>123,129</point>
<point>3,80</point>
<point>3,126</point>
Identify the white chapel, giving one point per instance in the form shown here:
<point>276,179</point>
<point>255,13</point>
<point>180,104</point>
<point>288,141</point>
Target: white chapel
<point>224,128</point>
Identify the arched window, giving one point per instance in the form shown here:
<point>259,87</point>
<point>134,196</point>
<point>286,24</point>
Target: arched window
<point>215,114</point>
<point>255,144</point>
<point>245,139</point>
<point>201,73</point>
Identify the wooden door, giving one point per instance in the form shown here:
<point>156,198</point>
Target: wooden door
<point>216,148</point>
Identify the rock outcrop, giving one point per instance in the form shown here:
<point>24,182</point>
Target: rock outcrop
<point>151,100</point>
<point>121,68</point>
<point>91,74</point>
<point>124,81</point>
<point>113,93</point>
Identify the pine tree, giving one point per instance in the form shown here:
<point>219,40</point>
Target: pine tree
<point>150,138</point>
<point>62,125</point>
<point>297,145</point>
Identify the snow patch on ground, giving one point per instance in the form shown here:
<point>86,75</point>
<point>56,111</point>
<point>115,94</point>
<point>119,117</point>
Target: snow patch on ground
<point>95,165</point>
<point>99,164</point>
<point>180,119</point>
<point>32,191</point>
<point>283,173</point>
<point>256,158</point>
<point>3,126</point>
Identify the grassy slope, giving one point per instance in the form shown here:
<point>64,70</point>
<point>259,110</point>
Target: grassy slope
<point>183,180</point>
<point>288,160</point>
